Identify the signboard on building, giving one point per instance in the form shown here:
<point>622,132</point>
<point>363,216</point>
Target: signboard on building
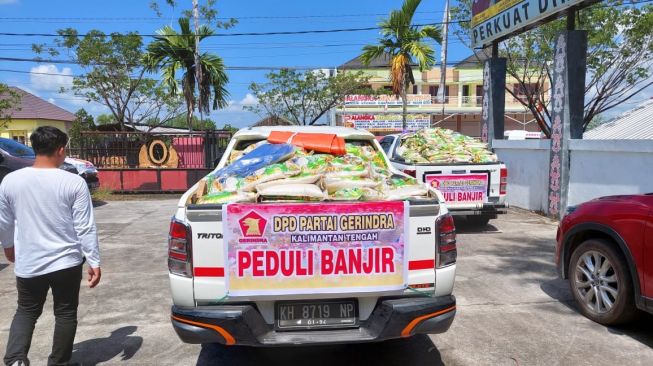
<point>386,122</point>
<point>498,19</point>
<point>286,249</point>
<point>362,99</point>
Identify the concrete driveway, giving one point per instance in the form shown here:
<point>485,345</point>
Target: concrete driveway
<point>512,310</point>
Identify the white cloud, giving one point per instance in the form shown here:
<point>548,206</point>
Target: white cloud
<point>249,99</point>
<point>50,78</point>
<point>7,2</point>
<point>52,101</point>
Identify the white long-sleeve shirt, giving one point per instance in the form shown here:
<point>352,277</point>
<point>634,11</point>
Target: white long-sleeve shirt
<point>47,215</point>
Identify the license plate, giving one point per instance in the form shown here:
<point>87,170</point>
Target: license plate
<point>319,314</point>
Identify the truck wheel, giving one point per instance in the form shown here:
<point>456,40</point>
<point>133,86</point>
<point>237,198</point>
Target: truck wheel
<point>601,284</point>
<point>478,220</point>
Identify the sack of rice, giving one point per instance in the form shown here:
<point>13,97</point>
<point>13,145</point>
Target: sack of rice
<point>291,193</point>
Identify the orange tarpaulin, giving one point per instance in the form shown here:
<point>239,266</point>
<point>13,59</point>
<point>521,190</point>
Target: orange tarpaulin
<point>320,142</point>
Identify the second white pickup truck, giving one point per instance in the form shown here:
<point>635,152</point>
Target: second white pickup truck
<point>474,190</point>
<point>265,274</point>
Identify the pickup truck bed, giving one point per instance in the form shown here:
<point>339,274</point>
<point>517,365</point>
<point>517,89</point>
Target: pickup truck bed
<point>205,310</point>
<point>479,202</point>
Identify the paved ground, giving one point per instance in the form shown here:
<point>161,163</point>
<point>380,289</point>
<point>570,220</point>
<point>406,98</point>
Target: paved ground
<point>512,309</point>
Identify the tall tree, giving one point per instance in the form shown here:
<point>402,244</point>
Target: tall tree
<point>113,75</point>
<point>8,101</point>
<point>172,51</point>
<point>303,97</point>
<point>404,45</point>
<point>619,57</point>
<point>83,122</point>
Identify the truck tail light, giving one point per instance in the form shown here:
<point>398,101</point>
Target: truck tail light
<point>410,172</point>
<point>503,181</point>
<point>180,259</point>
<point>446,245</point>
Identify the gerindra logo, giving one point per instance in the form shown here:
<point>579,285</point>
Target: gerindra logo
<point>252,226</point>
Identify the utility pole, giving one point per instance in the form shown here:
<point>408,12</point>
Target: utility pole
<point>443,57</point>
<point>198,68</point>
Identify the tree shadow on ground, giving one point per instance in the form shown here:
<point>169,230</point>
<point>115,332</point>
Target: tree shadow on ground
<point>418,351</point>
<point>99,350</point>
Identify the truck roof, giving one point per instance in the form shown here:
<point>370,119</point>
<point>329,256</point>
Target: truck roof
<point>263,132</point>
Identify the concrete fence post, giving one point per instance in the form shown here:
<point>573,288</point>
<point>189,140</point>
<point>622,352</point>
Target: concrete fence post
<point>494,99</point>
<point>567,102</point>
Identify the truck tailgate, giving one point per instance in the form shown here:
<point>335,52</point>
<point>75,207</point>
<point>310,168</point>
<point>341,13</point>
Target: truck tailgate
<point>209,262</point>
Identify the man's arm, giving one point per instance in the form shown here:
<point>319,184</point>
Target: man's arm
<point>84,222</point>
<point>7,220</point>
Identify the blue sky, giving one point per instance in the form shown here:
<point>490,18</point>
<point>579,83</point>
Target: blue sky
<point>324,50</point>
<point>315,50</point>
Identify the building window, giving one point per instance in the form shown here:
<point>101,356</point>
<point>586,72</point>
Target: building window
<point>465,90</point>
<point>479,95</point>
<point>388,87</point>
<point>523,90</point>
<point>414,89</point>
<point>433,90</point>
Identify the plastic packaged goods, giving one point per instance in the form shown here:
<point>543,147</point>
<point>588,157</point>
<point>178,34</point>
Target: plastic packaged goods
<point>347,194</point>
<point>440,145</point>
<point>301,178</point>
<point>334,184</point>
<point>291,193</point>
<point>260,157</point>
<point>267,172</point>
<point>227,197</point>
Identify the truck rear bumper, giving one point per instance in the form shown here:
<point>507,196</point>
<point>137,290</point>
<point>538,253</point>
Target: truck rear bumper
<point>488,209</point>
<point>244,325</point>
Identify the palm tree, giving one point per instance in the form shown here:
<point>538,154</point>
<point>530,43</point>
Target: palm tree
<point>171,51</point>
<point>403,43</point>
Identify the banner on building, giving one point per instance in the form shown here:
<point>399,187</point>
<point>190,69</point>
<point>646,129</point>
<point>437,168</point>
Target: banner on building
<point>460,188</point>
<point>386,122</point>
<point>362,99</point>
<point>310,248</point>
<point>498,19</point>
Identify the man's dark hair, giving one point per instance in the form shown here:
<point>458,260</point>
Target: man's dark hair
<point>47,139</point>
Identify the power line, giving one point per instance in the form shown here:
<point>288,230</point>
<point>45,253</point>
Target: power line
<point>141,19</point>
<point>278,33</point>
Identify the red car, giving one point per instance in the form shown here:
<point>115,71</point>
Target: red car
<point>605,249</point>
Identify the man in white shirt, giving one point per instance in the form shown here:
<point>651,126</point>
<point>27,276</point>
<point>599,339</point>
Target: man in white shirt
<point>47,228</point>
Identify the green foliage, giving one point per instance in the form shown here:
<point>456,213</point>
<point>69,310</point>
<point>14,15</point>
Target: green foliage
<point>180,121</point>
<point>173,51</point>
<point>8,100</point>
<point>303,97</point>
<point>403,44</point>
<point>596,122</point>
<point>207,12</point>
<point>83,122</point>
<point>105,119</point>
<point>113,75</point>
<point>230,128</point>
<point>619,56</point>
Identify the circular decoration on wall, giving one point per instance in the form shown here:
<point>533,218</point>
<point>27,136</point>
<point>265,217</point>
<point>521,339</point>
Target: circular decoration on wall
<point>158,152</point>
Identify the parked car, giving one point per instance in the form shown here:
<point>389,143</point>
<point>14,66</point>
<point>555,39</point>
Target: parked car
<point>14,156</point>
<point>605,250</point>
<point>84,169</point>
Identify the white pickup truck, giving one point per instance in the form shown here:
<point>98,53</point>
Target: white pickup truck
<point>396,286</point>
<point>477,191</point>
